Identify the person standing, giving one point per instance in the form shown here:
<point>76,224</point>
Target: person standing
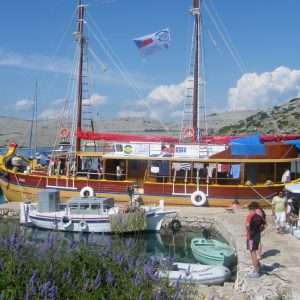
<point>254,225</point>
<point>286,176</point>
<point>259,211</point>
<point>119,171</point>
<point>279,207</point>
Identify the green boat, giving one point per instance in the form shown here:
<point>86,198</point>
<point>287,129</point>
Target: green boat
<point>213,252</point>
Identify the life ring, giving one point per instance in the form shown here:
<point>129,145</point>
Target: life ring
<point>195,198</point>
<point>175,225</point>
<point>64,132</point>
<point>65,221</point>
<point>82,225</point>
<point>87,192</point>
<point>189,133</point>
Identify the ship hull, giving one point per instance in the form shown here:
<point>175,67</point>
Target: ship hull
<point>20,187</point>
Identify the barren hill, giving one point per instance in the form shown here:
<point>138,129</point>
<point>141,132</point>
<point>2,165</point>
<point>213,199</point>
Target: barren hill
<point>279,119</point>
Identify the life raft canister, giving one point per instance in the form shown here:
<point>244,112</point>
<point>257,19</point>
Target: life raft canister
<point>87,192</point>
<point>198,198</point>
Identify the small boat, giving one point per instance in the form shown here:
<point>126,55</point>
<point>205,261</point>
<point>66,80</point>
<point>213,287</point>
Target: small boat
<point>197,273</point>
<point>87,213</point>
<point>213,252</point>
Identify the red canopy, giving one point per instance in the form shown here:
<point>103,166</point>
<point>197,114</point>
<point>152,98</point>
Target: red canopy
<point>89,135</point>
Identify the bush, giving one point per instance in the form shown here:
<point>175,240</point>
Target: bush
<point>61,269</point>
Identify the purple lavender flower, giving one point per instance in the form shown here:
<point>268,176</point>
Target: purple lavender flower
<point>96,281</point>
<point>109,277</point>
<point>91,236</point>
<point>28,296</point>
<point>136,280</point>
<point>141,296</point>
<point>1,264</point>
<point>68,274</point>
<point>53,292</point>
<point>188,271</point>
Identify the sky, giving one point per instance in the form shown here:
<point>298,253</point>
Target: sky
<point>252,55</point>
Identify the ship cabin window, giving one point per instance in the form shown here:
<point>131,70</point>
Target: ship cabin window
<point>84,206</point>
<point>73,206</point>
<point>96,206</point>
<point>159,171</point>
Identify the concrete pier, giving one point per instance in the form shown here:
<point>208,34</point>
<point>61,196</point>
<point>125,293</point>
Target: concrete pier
<point>281,253</point>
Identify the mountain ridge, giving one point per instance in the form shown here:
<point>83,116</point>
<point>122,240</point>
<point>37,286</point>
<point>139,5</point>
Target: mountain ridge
<point>280,119</point>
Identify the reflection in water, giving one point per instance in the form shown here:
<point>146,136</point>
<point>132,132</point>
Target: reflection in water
<point>162,244</point>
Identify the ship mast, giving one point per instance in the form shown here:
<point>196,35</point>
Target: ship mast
<point>81,40</point>
<point>195,11</point>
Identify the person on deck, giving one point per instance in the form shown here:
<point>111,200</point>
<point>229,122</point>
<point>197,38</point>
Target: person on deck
<point>254,225</point>
<point>286,176</point>
<point>119,171</point>
<point>279,208</point>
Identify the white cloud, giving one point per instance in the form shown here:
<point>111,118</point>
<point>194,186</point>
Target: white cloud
<point>260,91</point>
<point>23,105</point>
<point>50,113</point>
<point>98,100</point>
<point>172,94</point>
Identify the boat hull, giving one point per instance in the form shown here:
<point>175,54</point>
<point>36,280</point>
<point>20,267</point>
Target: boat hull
<point>63,221</point>
<point>213,252</point>
<point>19,187</point>
<point>196,273</point>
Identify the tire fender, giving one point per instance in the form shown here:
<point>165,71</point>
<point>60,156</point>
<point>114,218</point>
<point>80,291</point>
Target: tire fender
<point>86,190</point>
<point>195,198</point>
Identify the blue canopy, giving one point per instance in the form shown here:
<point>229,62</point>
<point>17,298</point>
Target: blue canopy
<point>295,142</point>
<point>249,145</point>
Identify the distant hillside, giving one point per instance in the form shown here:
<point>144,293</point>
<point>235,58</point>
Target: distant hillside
<point>279,119</point>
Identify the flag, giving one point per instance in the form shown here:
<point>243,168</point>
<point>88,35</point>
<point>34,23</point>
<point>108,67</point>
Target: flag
<point>153,43</point>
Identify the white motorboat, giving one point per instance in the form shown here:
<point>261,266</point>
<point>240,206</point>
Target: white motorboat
<point>197,273</point>
<point>91,214</point>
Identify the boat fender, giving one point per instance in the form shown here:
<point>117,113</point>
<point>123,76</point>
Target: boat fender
<point>82,225</point>
<point>87,192</point>
<point>64,132</point>
<point>66,221</point>
<point>198,198</point>
<point>175,225</point>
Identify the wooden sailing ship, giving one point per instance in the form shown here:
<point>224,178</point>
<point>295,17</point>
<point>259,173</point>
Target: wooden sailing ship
<point>192,170</point>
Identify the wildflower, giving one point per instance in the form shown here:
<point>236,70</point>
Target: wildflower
<point>1,264</point>
<point>53,292</point>
<point>96,281</point>
<point>141,296</point>
<point>136,280</point>
<point>109,277</point>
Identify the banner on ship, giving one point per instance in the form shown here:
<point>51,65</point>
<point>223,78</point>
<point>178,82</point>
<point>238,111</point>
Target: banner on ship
<point>153,43</point>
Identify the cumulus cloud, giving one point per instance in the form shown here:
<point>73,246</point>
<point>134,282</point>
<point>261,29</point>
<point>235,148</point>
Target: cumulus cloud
<point>260,91</point>
<point>23,105</point>
<point>172,94</point>
<point>50,113</point>
<point>98,100</point>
